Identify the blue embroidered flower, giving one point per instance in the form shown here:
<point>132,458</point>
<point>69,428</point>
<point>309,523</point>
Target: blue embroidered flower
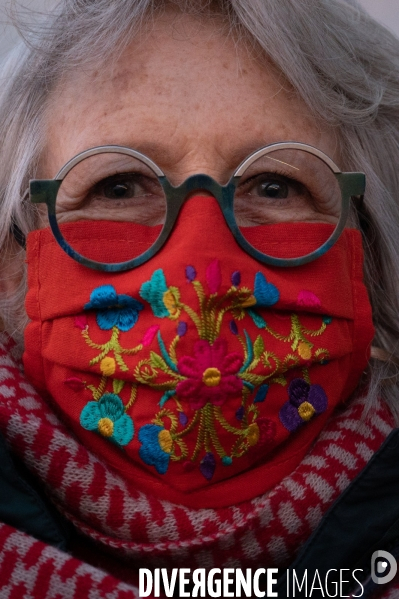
<point>266,294</point>
<point>107,417</point>
<point>113,310</point>
<point>156,446</point>
<point>163,300</point>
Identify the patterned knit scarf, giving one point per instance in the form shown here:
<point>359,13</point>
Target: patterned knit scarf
<point>148,532</point>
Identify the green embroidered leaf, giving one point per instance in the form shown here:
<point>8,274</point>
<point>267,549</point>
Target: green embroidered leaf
<point>117,386</point>
<point>157,362</point>
<point>259,347</point>
<point>120,362</point>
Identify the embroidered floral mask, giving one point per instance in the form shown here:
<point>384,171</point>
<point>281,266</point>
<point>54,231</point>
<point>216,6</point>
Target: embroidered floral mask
<point>202,375</point>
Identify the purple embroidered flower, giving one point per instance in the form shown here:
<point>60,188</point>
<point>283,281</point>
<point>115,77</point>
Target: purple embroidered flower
<point>305,401</point>
<point>113,310</point>
<point>211,374</point>
<point>181,328</point>
<point>233,327</point>
<point>208,465</point>
<point>190,273</point>
<point>240,413</point>
<point>183,418</point>
<point>236,278</point>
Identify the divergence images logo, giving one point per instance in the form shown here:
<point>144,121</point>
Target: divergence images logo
<point>383,567</point>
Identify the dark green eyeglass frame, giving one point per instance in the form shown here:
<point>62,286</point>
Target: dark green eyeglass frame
<point>45,191</point>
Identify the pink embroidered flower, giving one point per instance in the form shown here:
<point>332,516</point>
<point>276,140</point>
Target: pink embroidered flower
<point>211,374</point>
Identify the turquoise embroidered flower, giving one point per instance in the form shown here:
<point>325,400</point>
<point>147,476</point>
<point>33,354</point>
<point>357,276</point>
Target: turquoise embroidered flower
<point>113,310</point>
<point>156,446</point>
<point>163,300</point>
<point>107,417</point>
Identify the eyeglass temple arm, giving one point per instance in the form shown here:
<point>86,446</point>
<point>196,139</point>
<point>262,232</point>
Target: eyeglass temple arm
<point>41,191</point>
<point>44,191</point>
<point>352,185</point>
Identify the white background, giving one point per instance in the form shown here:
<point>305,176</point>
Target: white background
<point>386,11</point>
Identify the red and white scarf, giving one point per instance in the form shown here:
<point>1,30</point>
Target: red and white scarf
<point>144,531</point>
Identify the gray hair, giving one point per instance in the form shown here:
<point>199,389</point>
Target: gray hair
<point>342,63</point>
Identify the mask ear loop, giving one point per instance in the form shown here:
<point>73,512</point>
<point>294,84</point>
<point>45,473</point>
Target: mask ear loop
<point>16,231</point>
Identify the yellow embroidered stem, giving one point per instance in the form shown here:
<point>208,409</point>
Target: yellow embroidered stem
<point>111,345</point>
<point>305,373</point>
<point>244,347</point>
<point>90,343</point>
<point>223,422</point>
<point>98,391</point>
<point>188,428</point>
<point>322,354</point>
<point>201,435</point>
<point>290,361</point>
<point>193,316</point>
<point>183,450</point>
<point>213,435</point>
<point>211,322</point>
<point>172,349</point>
<point>226,296</point>
<point>278,336</point>
<point>130,352</point>
<point>219,319</point>
<point>207,425</point>
<point>266,357</point>
<point>133,395</point>
<point>165,413</point>
<point>201,299</point>
<point>313,333</point>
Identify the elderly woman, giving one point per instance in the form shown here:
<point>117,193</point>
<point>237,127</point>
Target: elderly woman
<point>211,299</point>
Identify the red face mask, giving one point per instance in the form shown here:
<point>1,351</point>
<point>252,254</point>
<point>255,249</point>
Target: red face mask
<point>201,375</point>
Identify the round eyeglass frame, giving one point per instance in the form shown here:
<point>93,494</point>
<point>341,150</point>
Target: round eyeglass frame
<point>352,185</point>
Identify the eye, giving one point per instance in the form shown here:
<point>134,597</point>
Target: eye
<point>270,186</point>
<point>272,189</point>
<point>118,187</point>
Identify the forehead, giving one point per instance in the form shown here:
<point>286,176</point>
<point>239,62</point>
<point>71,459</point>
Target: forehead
<point>187,95</point>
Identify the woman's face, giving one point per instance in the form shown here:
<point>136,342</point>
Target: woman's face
<point>188,96</point>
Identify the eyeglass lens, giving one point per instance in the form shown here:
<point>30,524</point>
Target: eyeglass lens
<point>110,189</point>
<point>277,197</point>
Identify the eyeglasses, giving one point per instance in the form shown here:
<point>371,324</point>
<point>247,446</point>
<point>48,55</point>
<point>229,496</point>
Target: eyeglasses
<point>274,192</point>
